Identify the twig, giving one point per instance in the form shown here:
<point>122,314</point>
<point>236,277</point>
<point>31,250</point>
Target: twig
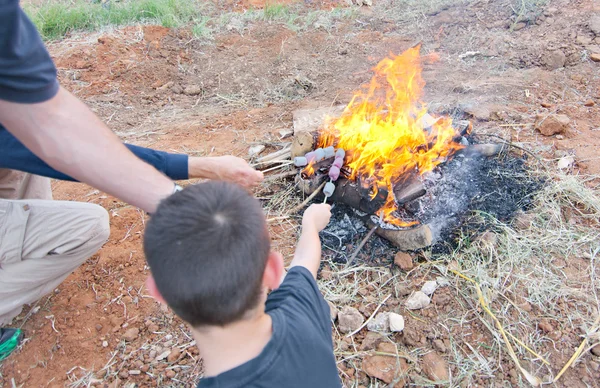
<point>284,174</point>
<point>282,165</point>
<point>371,317</point>
<point>307,200</point>
<point>362,243</point>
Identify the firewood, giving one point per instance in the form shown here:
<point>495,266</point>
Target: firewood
<point>406,239</point>
<point>277,156</point>
<point>409,191</point>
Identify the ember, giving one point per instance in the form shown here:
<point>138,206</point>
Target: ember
<point>388,134</point>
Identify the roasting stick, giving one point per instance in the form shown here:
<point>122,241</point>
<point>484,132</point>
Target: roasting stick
<point>364,240</point>
<point>308,199</point>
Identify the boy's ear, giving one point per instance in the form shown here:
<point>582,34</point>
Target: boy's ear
<point>153,290</point>
<point>274,271</point>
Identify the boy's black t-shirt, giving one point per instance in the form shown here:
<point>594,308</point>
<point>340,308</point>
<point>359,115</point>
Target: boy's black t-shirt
<point>300,352</point>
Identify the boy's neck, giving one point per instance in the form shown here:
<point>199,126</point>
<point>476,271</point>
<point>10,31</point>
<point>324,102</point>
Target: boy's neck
<point>224,348</point>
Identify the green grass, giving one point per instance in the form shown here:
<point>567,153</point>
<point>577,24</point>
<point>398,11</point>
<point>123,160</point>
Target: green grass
<point>55,20</point>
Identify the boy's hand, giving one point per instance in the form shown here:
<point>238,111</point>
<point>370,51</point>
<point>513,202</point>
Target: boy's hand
<point>317,215</point>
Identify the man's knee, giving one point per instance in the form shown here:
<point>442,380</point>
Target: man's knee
<point>100,230</point>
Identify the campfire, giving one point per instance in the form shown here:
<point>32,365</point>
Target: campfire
<point>379,154</point>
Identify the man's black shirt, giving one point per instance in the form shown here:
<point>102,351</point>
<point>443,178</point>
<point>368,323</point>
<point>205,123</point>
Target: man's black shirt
<point>27,73</point>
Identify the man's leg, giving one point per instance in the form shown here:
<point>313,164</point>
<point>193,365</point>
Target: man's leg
<point>42,242</point>
<point>21,185</point>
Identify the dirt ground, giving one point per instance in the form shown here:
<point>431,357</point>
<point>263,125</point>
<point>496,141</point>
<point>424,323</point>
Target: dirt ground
<point>168,90</point>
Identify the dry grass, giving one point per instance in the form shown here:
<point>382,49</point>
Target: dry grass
<point>523,278</point>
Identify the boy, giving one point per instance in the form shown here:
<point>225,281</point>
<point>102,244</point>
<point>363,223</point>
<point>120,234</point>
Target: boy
<point>209,253</point>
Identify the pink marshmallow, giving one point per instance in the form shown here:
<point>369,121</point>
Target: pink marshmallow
<point>334,173</point>
<point>311,157</point>
<point>338,162</point>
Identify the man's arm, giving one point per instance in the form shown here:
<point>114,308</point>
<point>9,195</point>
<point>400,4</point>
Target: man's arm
<point>308,251</point>
<point>68,136</point>
<point>15,156</point>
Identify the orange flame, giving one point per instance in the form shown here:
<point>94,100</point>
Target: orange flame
<point>382,128</point>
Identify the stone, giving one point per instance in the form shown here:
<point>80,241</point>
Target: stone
<point>479,112</point>
<point>174,355</point>
<point>552,124</point>
<point>595,57</point>
<point>404,261</point>
<point>170,373</point>
<point>545,104</point>
<point>104,344</point>
<point>256,150</point>
<point>594,24</point>
<point>333,311</point>
<point>594,366</point>
<point>192,90</point>
<point>396,322</point>
<point>303,143</point>
<point>131,334</point>
<point>596,350</point>
<point>429,287</point>
<point>177,89</point>
<point>523,221</point>
<point>135,372</point>
<point>439,345</point>
<point>386,368</point>
<point>545,326</point>
<point>589,103</point>
<point>371,341</point>
<point>380,323</point>
<point>435,367</point>
<point>583,40</point>
<point>519,26</point>
<point>488,238</point>
<point>417,300</point>
<point>555,59</point>
<point>98,327</point>
<point>153,328</point>
<point>349,319</point>
<point>566,162</point>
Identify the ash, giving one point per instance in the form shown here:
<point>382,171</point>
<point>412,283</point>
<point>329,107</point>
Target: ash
<point>457,191</point>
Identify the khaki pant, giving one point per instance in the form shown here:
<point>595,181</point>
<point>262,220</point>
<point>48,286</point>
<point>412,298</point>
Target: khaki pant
<point>41,241</point>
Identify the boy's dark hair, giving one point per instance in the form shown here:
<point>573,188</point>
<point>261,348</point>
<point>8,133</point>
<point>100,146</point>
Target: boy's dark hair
<point>207,247</point>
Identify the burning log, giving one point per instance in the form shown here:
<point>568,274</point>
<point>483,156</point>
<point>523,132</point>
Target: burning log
<point>485,149</point>
<point>404,193</point>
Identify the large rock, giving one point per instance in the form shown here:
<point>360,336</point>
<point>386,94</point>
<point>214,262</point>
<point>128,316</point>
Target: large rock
<point>553,124</point>
<point>417,301</point>
<point>389,369</point>
<point>308,120</point>
<point>594,24</point>
<point>596,350</point>
<point>429,287</point>
<point>380,323</point>
<point>435,367</point>
<point>349,319</point>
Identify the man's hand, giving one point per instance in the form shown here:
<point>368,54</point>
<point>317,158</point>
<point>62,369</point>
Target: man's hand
<point>317,215</point>
<point>225,168</point>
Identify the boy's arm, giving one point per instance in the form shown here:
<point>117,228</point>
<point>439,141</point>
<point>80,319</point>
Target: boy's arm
<point>308,251</point>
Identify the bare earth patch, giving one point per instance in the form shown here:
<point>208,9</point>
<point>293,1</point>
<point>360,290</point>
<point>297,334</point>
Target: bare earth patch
<point>538,275</point>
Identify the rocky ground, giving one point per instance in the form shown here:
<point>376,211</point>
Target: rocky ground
<point>529,74</point>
